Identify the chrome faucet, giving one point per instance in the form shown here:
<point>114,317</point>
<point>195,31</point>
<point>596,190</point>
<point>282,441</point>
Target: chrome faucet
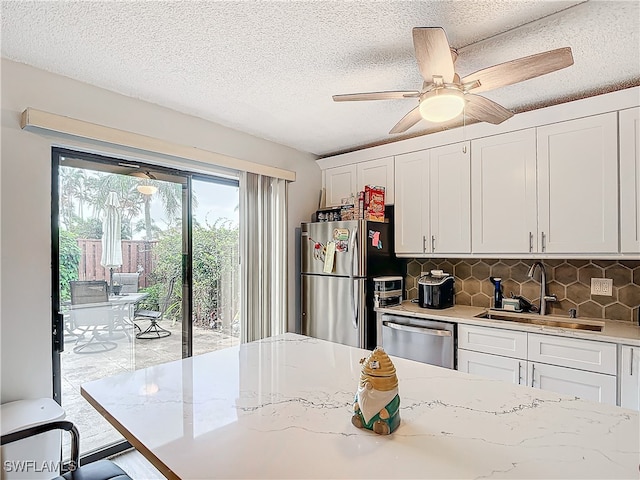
<point>544,298</point>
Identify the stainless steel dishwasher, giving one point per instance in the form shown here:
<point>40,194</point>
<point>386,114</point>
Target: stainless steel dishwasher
<point>427,341</point>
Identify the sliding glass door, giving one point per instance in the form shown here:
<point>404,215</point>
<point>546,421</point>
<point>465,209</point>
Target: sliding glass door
<point>215,271</point>
<point>144,272</point>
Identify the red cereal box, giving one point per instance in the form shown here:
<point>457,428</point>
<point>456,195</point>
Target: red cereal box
<point>374,203</point>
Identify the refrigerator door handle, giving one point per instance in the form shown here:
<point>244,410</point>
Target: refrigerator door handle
<point>353,248</point>
<point>354,258</point>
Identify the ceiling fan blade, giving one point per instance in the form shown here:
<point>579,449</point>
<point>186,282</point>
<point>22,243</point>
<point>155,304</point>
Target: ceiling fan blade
<point>486,110</point>
<point>355,97</point>
<point>433,53</point>
<point>408,121</point>
<point>520,69</point>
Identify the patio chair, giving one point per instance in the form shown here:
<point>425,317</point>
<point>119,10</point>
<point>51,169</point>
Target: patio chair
<point>128,281</point>
<point>154,330</point>
<point>129,284</point>
<point>91,313</point>
<point>100,470</point>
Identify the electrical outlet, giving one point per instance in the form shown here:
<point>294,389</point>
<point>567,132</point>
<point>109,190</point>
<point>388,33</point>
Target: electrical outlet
<point>602,286</point>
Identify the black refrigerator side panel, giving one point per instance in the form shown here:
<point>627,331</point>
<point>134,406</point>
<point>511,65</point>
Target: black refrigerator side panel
<point>381,257</point>
<point>381,261</point>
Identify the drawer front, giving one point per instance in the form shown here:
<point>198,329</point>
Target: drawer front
<point>508,343</point>
<point>574,353</point>
<point>506,369</point>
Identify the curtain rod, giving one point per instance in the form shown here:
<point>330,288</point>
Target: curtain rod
<point>33,118</point>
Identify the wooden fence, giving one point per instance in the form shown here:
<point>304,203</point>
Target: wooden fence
<point>135,254</point>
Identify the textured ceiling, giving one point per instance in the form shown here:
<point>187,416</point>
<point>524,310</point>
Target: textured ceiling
<point>270,68</point>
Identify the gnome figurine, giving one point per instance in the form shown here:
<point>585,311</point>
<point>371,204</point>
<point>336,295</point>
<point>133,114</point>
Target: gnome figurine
<point>377,403</point>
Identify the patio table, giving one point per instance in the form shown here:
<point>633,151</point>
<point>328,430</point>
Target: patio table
<point>123,306</point>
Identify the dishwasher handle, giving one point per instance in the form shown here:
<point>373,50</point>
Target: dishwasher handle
<point>422,330</point>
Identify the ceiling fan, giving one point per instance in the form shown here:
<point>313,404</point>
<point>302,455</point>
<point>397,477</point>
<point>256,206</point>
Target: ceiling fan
<point>445,95</point>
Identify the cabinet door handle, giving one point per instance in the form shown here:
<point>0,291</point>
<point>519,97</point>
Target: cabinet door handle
<point>424,242</point>
<point>433,243</point>
<point>530,242</point>
<point>631,364</point>
<point>544,243</point>
<point>533,373</point>
<point>519,373</point>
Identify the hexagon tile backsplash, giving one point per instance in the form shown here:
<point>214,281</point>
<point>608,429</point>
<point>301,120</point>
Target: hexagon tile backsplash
<point>569,280</point>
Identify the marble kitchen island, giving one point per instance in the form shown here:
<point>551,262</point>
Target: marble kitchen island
<point>281,408</point>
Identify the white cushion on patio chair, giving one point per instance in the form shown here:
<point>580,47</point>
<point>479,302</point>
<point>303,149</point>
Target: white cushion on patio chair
<point>129,281</point>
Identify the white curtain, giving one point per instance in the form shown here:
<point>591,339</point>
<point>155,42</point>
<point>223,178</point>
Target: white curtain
<point>263,258</point>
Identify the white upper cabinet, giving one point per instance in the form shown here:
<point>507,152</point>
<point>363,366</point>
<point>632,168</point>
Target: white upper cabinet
<point>630,181</point>
<point>432,212</point>
<point>504,206</point>
<point>450,191</point>
<point>340,182</point>
<point>411,202</point>
<point>578,185</point>
<point>377,172</point>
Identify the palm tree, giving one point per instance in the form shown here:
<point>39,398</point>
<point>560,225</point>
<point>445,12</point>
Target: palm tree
<point>72,182</point>
<point>80,187</point>
<point>170,195</point>
<point>125,188</point>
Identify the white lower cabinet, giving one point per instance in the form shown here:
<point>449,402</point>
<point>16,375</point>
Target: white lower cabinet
<point>629,377</point>
<point>571,366</point>
<point>592,386</point>
<point>512,370</point>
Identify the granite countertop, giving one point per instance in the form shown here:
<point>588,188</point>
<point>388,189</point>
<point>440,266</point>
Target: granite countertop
<point>613,331</point>
<point>281,408</point>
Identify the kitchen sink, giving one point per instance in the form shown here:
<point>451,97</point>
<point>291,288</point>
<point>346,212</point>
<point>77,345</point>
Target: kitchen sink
<point>539,320</point>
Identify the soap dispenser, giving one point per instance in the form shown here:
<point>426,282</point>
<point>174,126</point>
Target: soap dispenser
<point>497,293</point>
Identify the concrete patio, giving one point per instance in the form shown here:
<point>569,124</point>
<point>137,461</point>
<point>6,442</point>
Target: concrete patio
<point>130,354</point>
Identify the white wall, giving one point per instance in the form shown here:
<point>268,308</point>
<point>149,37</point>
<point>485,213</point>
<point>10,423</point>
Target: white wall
<point>25,201</point>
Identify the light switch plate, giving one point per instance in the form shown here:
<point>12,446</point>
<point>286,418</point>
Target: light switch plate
<point>602,286</point>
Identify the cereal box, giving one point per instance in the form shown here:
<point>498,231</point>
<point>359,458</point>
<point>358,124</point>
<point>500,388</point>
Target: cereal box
<point>374,203</point>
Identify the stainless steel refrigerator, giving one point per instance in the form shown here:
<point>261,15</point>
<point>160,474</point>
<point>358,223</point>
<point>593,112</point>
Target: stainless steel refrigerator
<point>337,294</point>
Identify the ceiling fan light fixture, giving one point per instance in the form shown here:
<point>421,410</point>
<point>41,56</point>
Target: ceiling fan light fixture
<point>147,189</point>
<point>442,104</point>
